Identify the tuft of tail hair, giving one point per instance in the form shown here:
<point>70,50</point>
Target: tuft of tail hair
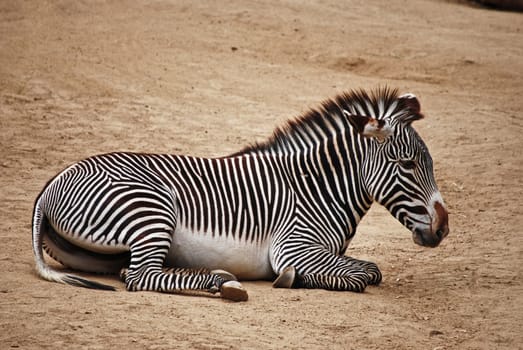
<point>43,269</point>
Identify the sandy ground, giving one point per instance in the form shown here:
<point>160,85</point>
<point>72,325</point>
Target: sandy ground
<point>84,77</point>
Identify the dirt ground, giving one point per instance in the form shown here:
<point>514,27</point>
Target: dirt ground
<point>79,78</point>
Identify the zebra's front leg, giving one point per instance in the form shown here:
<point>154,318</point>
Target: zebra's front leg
<point>355,281</point>
<point>369,267</point>
<point>146,273</point>
<point>318,268</point>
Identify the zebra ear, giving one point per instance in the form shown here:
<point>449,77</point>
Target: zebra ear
<point>368,126</point>
<point>410,102</point>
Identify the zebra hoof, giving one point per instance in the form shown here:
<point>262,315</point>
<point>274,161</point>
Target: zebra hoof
<point>286,278</point>
<point>233,290</point>
<point>227,276</point>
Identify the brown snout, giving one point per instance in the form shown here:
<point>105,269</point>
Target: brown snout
<point>441,223</point>
<point>439,228</point>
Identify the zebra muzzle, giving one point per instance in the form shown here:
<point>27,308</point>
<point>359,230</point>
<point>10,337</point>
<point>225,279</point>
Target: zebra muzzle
<point>437,231</point>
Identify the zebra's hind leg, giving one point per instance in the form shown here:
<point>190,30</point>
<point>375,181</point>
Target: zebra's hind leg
<point>146,273</point>
<point>369,267</point>
<point>231,289</point>
<point>227,276</point>
<point>356,281</point>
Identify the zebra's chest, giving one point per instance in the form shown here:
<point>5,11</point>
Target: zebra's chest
<point>245,259</point>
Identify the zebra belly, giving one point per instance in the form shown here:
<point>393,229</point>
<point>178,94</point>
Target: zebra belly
<point>246,260</point>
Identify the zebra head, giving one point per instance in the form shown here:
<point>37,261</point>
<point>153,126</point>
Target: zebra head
<point>398,171</point>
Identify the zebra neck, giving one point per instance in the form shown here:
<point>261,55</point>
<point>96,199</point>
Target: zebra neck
<point>331,175</point>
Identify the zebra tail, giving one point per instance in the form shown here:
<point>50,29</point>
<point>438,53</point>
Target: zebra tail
<point>47,272</point>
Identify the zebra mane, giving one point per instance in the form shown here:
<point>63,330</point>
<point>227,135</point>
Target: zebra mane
<point>380,104</point>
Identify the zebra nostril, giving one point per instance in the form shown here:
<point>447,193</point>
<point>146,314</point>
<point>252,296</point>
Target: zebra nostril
<point>442,232</point>
<point>442,220</point>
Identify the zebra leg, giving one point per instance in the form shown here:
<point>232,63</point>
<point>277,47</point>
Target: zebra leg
<point>231,289</point>
<point>227,276</point>
<point>145,272</point>
<point>369,267</point>
<point>289,278</point>
<point>316,267</point>
<point>355,282</point>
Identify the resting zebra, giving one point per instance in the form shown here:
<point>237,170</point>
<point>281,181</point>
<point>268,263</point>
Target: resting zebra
<point>285,209</point>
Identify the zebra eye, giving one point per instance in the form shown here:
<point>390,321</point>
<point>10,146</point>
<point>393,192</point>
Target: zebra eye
<point>407,164</point>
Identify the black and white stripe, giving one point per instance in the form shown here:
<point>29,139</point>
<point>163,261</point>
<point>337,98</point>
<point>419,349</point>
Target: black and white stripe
<point>294,200</point>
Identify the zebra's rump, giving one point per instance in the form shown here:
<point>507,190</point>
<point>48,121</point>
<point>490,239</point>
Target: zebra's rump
<point>78,258</point>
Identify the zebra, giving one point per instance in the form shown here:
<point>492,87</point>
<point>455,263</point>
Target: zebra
<point>284,209</point>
